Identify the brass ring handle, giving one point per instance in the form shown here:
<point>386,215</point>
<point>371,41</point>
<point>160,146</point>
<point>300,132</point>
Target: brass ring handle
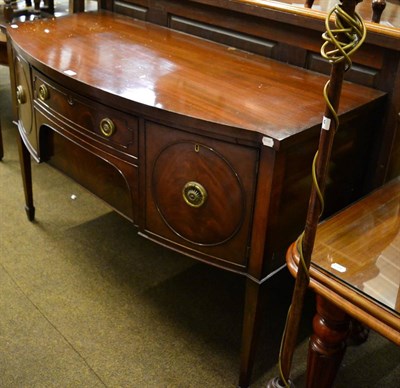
<point>194,194</point>
<point>43,92</point>
<point>107,127</point>
<point>21,96</point>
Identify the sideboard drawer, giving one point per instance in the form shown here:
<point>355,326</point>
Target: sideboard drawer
<point>108,126</point>
<point>200,193</point>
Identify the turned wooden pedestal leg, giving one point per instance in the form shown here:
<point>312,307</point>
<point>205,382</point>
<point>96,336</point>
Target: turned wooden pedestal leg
<point>327,344</point>
<point>25,162</point>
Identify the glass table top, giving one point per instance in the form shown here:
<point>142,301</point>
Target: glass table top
<point>361,245</point>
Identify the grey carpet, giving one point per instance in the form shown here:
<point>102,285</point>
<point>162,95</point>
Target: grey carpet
<point>85,302</point>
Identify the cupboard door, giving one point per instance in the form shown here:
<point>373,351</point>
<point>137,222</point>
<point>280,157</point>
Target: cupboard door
<point>200,192</point>
<point>24,98</point>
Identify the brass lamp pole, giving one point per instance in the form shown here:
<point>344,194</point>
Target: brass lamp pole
<point>340,43</point>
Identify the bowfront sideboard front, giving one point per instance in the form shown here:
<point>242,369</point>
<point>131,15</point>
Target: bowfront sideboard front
<point>206,149</point>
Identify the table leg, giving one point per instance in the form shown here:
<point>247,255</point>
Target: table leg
<point>1,144</point>
<point>26,171</point>
<point>251,329</point>
<point>327,344</point>
<point>358,333</point>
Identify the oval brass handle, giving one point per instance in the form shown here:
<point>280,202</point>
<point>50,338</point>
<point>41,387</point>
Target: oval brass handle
<point>21,96</point>
<point>43,92</point>
<point>107,127</point>
<point>194,194</point>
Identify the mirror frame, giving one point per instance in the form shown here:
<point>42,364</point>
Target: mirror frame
<point>280,11</point>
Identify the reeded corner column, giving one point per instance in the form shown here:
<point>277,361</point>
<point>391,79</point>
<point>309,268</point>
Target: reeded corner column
<point>327,345</point>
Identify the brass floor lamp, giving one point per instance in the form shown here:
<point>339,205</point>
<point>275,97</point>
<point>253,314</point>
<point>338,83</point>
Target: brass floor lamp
<point>340,43</point>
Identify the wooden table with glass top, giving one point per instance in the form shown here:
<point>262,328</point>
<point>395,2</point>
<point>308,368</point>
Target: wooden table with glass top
<point>355,272</point>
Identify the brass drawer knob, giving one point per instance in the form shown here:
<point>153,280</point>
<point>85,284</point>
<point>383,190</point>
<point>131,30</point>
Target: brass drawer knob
<point>107,127</point>
<point>21,96</point>
<point>43,92</point>
<point>194,194</point>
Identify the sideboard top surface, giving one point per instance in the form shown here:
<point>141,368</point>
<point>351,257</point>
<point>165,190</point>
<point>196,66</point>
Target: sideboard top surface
<point>168,70</point>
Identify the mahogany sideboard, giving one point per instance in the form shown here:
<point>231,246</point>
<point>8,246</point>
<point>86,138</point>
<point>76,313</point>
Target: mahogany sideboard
<point>205,148</point>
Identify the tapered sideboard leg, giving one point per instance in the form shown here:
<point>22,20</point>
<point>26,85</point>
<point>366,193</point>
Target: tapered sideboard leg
<point>327,345</point>
<point>254,300</point>
<point>1,144</point>
<point>26,171</point>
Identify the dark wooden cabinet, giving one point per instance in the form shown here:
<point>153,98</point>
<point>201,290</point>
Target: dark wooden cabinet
<point>205,148</point>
